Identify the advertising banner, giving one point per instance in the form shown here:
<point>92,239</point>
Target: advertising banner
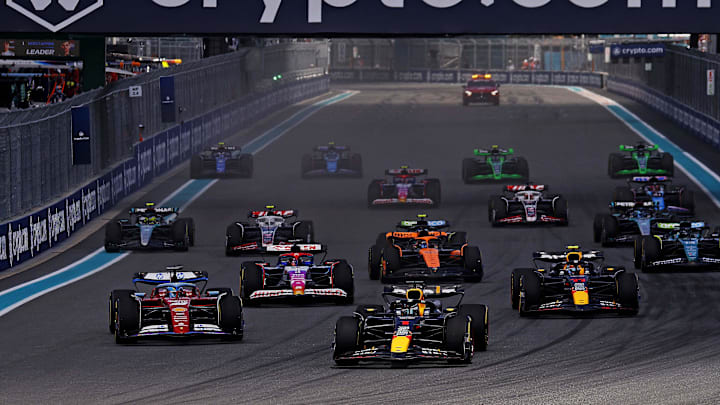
<point>80,136</point>
<point>167,98</point>
<point>637,50</point>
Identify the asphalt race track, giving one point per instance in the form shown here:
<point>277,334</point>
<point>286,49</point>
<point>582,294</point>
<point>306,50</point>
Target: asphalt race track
<point>56,349</point>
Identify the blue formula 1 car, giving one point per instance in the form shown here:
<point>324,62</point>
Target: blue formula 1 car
<point>221,161</point>
<point>688,245</point>
<point>573,281</point>
<point>150,228</point>
<point>332,161</point>
<point>627,221</point>
<point>414,325</point>
<point>660,191</point>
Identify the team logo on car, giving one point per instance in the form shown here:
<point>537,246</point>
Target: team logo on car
<point>55,15</point>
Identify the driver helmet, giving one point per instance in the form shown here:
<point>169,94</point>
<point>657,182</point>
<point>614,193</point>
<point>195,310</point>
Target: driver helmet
<point>288,261</point>
<point>305,260</point>
<point>185,292</point>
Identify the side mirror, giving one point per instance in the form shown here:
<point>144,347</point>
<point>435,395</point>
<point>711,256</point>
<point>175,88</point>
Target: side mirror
<point>139,295</point>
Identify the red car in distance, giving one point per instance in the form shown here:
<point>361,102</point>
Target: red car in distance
<point>481,89</point>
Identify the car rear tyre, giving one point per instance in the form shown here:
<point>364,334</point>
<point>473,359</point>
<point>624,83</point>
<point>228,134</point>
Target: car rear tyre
<point>347,339</point>
<point>515,277</point>
<point>457,239</point>
<point>560,210</point>
<point>627,290</point>
<point>196,167</point>
<point>127,311</point>
<point>304,231</point>
<point>343,279</point>
<point>113,237</point>
<point>231,316</point>
<point>356,165</point>
<point>247,166</point>
<point>233,237</point>
<point>374,193</point>
<point>609,230</point>
<point>530,286</point>
<point>497,210</point>
<point>374,257</point>
<point>523,169</point>
<point>306,165</point>
<point>473,263</point>
<point>455,333</point>
<point>469,168</point>
<point>251,280</point>
<point>114,295</point>
<point>667,163</point>
<point>434,192</point>
<point>615,164</point>
<point>181,235</point>
<point>650,252</point>
<point>479,326</point>
<point>390,260</point>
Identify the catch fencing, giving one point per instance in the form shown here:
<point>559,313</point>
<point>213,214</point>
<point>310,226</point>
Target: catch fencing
<point>677,85</point>
<point>35,145</point>
<point>551,54</point>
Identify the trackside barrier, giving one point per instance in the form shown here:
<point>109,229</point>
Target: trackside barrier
<point>699,124</point>
<point>28,237</point>
<point>461,76</point>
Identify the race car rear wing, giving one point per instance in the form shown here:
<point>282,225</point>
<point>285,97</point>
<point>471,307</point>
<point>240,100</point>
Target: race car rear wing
<point>159,210</point>
<point>527,187</point>
<point>632,204</point>
<point>326,148</point>
<point>630,148</point>
<point>437,291</point>
<point>172,274</point>
<point>228,148</point>
<point>406,172</point>
<point>498,151</point>
<point>273,212</point>
<point>650,179</point>
<point>559,257</point>
<point>306,248</point>
<point>678,225</point>
<point>436,224</point>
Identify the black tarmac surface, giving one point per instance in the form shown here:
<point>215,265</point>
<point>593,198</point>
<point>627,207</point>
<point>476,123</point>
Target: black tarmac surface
<point>56,349</point>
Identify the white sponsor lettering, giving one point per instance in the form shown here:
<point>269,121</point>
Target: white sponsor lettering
<point>89,204</point>
<point>18,243</point>
<point>38,234</point>
<point>3,248</point>
<point>145,163</point>
<point>104,195</point>
<point>173,148</point>
<point>74,215</point>
<point>160,155</point>
<point>272,7</point>
<point>118,185</point>
<point>130,177</point>
<point>56,224</point>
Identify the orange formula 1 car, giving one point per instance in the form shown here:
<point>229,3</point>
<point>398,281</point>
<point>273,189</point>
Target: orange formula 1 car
<point>420,250</point>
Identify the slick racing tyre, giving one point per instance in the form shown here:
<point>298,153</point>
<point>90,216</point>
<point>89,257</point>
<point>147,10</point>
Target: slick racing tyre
<point>497,210</point>
<point>615,164</point>
<point>113,237</point>
<point>306,165</point>
<point>342,276</point>
<point>231,316</point>
<point>196,167</point>
<point>597,227</point>
<point>251,280</point>
<point>479,325</point>
<point>181,235</point>
<point>347,339</point>
<point>650,252</point>
<point>469,169</point>
<point>560,210</point>
<point>637,252</point>
<point>523,169</point>
<point>114,295</point>
<point>247,166</point>
<point>434,192</point>
<point>667,163</point>
<point>456,329</point>
<point>609,229</point>
<point>531,289</point>
<point>233,237</point>
<point>472,261</point>
<point>627,290</point>
<point>374,193</point>
<point>374,257</point>
<point>127,318</point>
<point>304,231</point>
<point>515,277</point>
<point>356,165</point>
<point>191,230</point>
<point>457,239</point>
<point>367,310</point>
<point>687,200</point>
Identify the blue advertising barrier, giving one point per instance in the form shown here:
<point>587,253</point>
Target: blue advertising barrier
<point>32,235</point>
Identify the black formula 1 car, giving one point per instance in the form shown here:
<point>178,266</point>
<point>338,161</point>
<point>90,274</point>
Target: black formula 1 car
<point>332,161</point>
<point>660,191</point>
<point>150,228</point>
<point>628,221</point>
<point>413,326</point>
<point>640,160</point>
<point>221,161</point>
<point>527,204</point>
<point>296,276</point>
<point>405,186</point>
<point>573,281</point>
<point>495,165</point>
<point>271,227</point>
<point>424,253</point>
<point>688,246</point>
<point>178,306</point>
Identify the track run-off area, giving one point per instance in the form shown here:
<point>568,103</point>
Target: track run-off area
<point>56,343</point>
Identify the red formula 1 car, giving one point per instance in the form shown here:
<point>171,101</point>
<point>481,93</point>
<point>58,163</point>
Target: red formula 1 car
<point>404,186</point>
<point>177,306</point>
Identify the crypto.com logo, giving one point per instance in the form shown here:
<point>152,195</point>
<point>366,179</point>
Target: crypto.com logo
<point>42,5</point>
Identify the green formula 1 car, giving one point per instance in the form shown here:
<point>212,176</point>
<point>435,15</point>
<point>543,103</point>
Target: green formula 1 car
<point>495,165</point>
<point>640,160</point>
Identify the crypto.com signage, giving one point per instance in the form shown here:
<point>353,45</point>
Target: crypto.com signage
<point>358,16</point>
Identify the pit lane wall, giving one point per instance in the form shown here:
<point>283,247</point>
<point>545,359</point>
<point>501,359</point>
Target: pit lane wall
<point>535,77</point>
<point>35,234</point>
